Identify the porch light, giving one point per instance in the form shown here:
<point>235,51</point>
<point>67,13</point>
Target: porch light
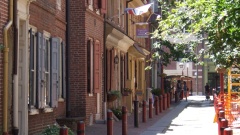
<point>116,59</point>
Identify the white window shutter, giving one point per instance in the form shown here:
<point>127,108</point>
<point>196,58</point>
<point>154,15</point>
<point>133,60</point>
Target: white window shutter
<point>40,71</point>
<point>54,70</point>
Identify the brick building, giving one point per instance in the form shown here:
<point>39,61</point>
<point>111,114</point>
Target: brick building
<point>4,20</point>
<point>61,54</point>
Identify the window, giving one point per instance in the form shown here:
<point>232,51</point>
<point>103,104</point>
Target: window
<point>46,70</point>
<point>90,66</point>
<point>59,4</point>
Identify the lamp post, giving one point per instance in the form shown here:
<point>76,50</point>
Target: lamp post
<point>196,74</point>
<point>181,65</point>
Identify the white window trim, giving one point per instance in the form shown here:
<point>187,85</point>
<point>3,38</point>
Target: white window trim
<point>60,91</point>
<point>47,36</point>
<point>59,4</point>
<point>33,110</point>
<point>91,67</point>
<point>90,6</point>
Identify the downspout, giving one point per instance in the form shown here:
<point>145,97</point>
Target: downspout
<point>5,69</point>
<point>127,16</point>
<point>15,71</point>
<point>105,70</point>
<point>68,110</point>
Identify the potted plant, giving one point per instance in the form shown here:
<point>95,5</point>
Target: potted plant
<point>126,91</point>
<point>113,95</point>
<point>156,91</point>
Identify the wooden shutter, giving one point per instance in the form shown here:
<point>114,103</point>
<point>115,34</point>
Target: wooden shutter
<point>54,70</point>
<point>112,68</point>
<point>31,69</point>
<point>63,45</point>
<point>103,6</point>
<point>40,71</point>
<point>97,60</point>
<point>96,4</point>
<point>88,2</point>
<point>108,70</point>
<point>126,66</point>
<point>89,66</point>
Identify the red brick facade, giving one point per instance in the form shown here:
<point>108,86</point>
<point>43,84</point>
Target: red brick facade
<point>84,24</point>
<point>45,17</point>
<point>3,21</point>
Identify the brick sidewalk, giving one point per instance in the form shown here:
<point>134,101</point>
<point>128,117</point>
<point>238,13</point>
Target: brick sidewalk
<point>101,129</point>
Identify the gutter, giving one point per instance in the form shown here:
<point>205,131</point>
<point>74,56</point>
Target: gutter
<point>127,16</point>
<point>5,69</point>
<point>15,129</point>
<point>68,110</point>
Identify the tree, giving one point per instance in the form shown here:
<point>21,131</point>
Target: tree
<point>188,24</point>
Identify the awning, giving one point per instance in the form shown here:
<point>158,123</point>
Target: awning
<point>116,38</point>
<point>137,51</point>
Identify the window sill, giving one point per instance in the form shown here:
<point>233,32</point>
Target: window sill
<point>90,7</point>
<point>47,110</point>
<point>60,100</point>
<point>33,111</point>
<point>90,94</point>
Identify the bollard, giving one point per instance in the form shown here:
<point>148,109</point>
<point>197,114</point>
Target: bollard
<point>63,131</point>
<point>169,99</point>
<point>144,112</point>
<point>176,97</point>
<point>136,113</point>
<point>219,126</point>
<point>223,125</point>
<point>109,122</point>
<point>228,131</point>
<point>170,102</point>
<point>164,101</point>
<point>81,128</point>
<point>160,103</point>
<point>124,120</point>
<point>156,105</point>
<point>150,108</point>
<point>221,114</point>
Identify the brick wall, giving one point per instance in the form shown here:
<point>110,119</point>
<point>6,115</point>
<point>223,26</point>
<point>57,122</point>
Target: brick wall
<point>3,22</point>
<point>83,24</point>
<point>45,16</point>
<point>95,26</point>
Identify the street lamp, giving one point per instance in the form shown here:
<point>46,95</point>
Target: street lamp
<point>181,65</point>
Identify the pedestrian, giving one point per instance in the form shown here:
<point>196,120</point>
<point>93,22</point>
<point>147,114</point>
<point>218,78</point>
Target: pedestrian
<point>207,90</point>
<point>185,89</point>
<point>179,88</point>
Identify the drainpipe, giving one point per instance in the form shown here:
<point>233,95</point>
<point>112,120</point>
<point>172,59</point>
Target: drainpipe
<point>15,70</point>
<point>105,70</point>
<point>127,16</point>
<point>68,110</point>
<point>5,69</point>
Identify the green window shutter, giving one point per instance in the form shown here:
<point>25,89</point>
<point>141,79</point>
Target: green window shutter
<point>54,71</point>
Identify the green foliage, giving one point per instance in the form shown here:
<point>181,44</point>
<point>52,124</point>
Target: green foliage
<point>117,112</point>
<point>55,130</point>
<point>127,90</point>
<point>115,92</point>
<point>187,25</point>
<point>156,91</point>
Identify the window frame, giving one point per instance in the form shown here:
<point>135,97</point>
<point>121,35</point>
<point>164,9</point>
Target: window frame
<point>32,105</point>
<point>41,52</point>
<point>90,67</point>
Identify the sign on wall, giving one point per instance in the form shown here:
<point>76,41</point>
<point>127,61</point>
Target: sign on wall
<point>142,30</point>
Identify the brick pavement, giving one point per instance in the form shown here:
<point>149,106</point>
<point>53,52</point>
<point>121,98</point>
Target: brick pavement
<point>101,129</point>
<point>192,117</point>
